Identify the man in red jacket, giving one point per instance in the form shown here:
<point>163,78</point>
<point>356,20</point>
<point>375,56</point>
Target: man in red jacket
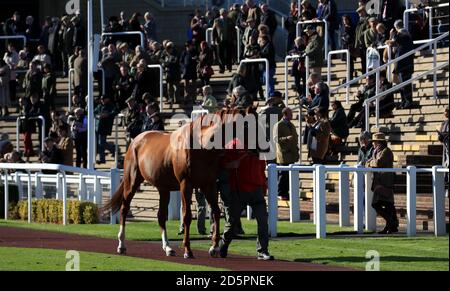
<point>247,182</point>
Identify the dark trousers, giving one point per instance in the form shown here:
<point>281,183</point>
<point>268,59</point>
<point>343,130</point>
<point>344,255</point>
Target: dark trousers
<point>258,204</point>
<point>363,54</point>
<point>225,53</point>
<point>102,144</point>
<point>81,150</point>
<point>387,211</point>
<point>283,183</point>
<point>406,91</point>
<point>354,108</point>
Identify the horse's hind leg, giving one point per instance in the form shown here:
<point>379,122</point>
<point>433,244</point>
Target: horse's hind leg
<point>164,198</point>
<point>132,181</point>
<point>186,198</point>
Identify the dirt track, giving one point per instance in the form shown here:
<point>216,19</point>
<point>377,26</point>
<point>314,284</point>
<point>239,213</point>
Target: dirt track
<point>19,237</point>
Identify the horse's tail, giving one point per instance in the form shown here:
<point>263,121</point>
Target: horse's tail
<point>116,201</point>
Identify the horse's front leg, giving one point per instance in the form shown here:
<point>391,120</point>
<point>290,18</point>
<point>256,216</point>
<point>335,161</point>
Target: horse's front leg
<point>186,198</point>
<point>211,197</point>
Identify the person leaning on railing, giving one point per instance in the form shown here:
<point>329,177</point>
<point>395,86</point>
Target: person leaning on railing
<point>383,183</point>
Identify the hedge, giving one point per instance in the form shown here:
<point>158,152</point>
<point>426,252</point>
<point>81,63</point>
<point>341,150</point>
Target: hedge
<point>51,211</point>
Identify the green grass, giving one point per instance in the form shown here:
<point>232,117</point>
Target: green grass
<point>24,259</point>
<point>424,252</point>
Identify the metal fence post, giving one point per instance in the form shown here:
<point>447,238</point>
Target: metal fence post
<point>272,198</point>
<point>439,201</point>
<point>30,202</point>
<point>358,203</point>
<point>238,33</point>
<point>294,192</point>
<point>6,185</point>
<point>320,188</point>
<point>344,201</point>
<point>411,184</point>
<point>371,215</point>
<point>64,197</point>
<point>98,191</point>
<point>38,185</point>
<point>82,193</point>
<point>58,186</point>
<point>174,206</point>
<point>115,182</point>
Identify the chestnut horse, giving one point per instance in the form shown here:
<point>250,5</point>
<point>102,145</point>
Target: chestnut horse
<point>153,157</point>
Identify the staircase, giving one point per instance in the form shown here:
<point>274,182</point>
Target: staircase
<point>411,133</point>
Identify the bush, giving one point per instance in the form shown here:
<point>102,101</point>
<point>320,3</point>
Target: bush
<point>51,211</point>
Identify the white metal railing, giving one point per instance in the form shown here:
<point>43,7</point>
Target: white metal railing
<point>80,176</point>
<point>298,31</point>
<point>161,84</point>
<point>41,118</point>
<point>347,54</point>
<point>141,34</point>
<point>266,62</point>
<point>22,37</point>
<point>362,176</point>
<point>392,90</point>
<point>430,19</point>
<point>209,36</point>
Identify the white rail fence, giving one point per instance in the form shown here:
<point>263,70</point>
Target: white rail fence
<point>360,193</point>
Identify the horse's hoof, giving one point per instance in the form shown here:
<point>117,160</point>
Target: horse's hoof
<point>121,251</point>
<point>189,255</point>
<point>214,252</point>
<point>170,252</point>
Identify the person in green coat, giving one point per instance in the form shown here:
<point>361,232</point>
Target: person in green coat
<point>314,50</point>
<point>209,101</point>
<point>33,81</point>
<point>49,86</point>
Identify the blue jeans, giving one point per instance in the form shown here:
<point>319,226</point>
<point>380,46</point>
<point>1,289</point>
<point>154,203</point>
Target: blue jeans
<point>102,144</point>
<point>271,81</point>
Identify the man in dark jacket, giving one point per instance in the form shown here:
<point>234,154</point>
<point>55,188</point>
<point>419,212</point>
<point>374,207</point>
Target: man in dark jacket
<point>268,52</point>
<point>33,81</point>
<point>223,35</point>
<point>366,147</point>
<point>268,18</point>
<point>52,154</point>
<point>363,93</point>
<point>360,45</point>
<point>329,14</point>
<point>290,24</point>
<point>152,119</point>
<point>314,50</point>
<point>66,35</point>
<point>404,68</point>
<point>123,87</point>
<point>79,33</point>
<point>105,114</point>
<point>172,72</point>
<point>133,120</point>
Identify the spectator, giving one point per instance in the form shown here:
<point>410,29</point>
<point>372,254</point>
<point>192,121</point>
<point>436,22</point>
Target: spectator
<point>360,45</point>
<point>123,87</point>
<point>79,135</point>
<point>239,79</point>
<point>268,52</point>
<point>319,136</point>
<point>142,80</point>
<point>73,57</point>
<point>205,62</point>
<point>32,33</point>
<point>173,73</point>
<point>42,57</point>
<point>23,64</point>
<point>77,102</point>
<point>311,84</point>
<point>80,74</point>
<point>223,37</point>
<point>274,110</point>
<point>33,81</point>
<point>365,92</point>
<point>152,120</point>
<point>56,122</point>
<point>390,11</point>
<point>268,18</point>
<point>322,97</point>
<point>403,68</point>
<point>26,127</point>
<point>254,11</point>
<point>290,24</point>
<point>253,80</point>
<point>240,98</point>
<point>188,62</point>
<point>133,119</point>
<point>298,66</point>
<point>443,138</point>
<point>150,26</point>
<point>250,31</point>
<point>308,10</point>
<point>65,145</point>
<point>134,24</point>
<point>6,145</point>
<point>366,147</point>
<point>52,44</point>
<point>314,50</point>
<point>105,113</point>
<point>329,14</point>
<point>5,100</point>
<point>348,40</point>
<point>370,35</point>
<point>66,35</point>
<point>338,123</point>
<point>109,65</point>
<point>286,139</point>
<point>383,183</point>
<point>39,108</point>
<point>209,102</point>
<point>52,154</point>
<point>11,58</point>
<point>13,26</point>
<point>49,87</point>
<point>126,55</point>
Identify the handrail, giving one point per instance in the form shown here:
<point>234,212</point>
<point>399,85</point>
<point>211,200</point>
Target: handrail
<point>267,71</point>
<point>161,84</point>
<point>297,28</point>
<point>238,43</point>
<point>395,89</point>
<point>41,118</point>
<point>389,63</point>
<point>208,36</point>
<point>140,33</point>
<point>6,37</point>
<point>338,52</point>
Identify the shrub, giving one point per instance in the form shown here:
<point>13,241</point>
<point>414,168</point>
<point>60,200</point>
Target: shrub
<point>51,211</point>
